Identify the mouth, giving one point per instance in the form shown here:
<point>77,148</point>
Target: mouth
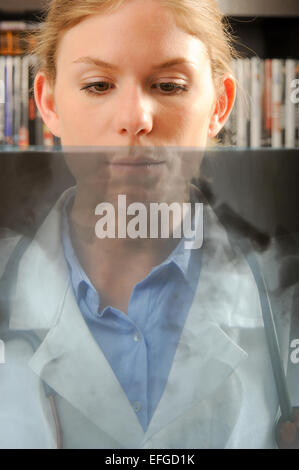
<point>136,163</point>
<point>128,166</point>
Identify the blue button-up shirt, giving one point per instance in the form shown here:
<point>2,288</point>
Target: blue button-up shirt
<point>140,346</point>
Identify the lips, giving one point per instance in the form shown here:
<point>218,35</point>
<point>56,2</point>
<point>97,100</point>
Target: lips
<point>137,156</point>
<point>138,162</point>
<point>137,165</point>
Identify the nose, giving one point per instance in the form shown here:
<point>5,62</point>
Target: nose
<point>134,114</point>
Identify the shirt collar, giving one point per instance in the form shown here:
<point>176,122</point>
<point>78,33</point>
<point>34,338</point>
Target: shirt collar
<point>79,279</point>
<point>187,261</point>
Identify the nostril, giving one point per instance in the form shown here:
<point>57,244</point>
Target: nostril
<point>142,131</point>
<point>138,132</point>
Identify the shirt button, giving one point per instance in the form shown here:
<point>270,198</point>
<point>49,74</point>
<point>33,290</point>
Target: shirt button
<point>137,336</point>
<point>137,406</point>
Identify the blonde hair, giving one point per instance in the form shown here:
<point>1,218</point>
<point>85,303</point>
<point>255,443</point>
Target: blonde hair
<point>201,18</point>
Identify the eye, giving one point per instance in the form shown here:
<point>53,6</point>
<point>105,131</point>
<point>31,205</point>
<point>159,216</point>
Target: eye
<point>170,88</point>
<point>97,88</point>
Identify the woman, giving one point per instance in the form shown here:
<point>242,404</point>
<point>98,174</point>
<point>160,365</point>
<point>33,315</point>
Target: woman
<point>144,343</point>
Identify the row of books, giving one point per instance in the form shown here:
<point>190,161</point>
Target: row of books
<point>13,36</point>
<point>20,122</point>
<point>266,112</point>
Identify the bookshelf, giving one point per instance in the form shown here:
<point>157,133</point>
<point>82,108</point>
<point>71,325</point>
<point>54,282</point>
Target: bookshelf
<point>267,29</point>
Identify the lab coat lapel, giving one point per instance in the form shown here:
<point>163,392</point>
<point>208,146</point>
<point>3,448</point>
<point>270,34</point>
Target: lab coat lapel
<point>206,355</point>
<point>71,362</point>
<point>68,359</point>
<point>42,278</point>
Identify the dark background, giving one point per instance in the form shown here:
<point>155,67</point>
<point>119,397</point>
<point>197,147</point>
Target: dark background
<point>260,186</point>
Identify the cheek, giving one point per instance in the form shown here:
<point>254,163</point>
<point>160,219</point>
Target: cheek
<point>189,123</point>
<point>173,122</point>
<point>80,123</point>
<point>80,119</point>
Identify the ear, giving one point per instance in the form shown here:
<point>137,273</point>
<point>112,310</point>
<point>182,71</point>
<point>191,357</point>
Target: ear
<point>224,105</point>
<point>44,98</point>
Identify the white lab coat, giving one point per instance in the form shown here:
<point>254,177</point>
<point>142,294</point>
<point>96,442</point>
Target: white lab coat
<point>220,391</point>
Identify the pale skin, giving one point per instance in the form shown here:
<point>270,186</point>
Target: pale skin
<point>129,105</point>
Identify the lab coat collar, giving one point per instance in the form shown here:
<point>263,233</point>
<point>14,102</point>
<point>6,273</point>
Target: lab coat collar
<point>225,269</point>
<point>42,280</point>
<point>71,362</point>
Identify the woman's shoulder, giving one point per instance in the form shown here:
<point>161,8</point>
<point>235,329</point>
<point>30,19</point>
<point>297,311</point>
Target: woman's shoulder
<point>280,262</point>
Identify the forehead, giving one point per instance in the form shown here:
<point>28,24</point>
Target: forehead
<point>138,31</point>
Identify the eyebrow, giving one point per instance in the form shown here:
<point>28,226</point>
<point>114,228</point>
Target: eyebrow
<point>100,63</point>
<point>95,61</point>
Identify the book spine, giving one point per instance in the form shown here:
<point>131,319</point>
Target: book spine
<point>247,87</point>
<point>267,104</point>
<point>256,102</point>
<point>283,104</point>
<point>16,99</point>
<point>2,99</point>
<point>241,105</point>
<point>8,137</point>
<point>277,87</point>
<point>290,105</point>
<point>24,132</point>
